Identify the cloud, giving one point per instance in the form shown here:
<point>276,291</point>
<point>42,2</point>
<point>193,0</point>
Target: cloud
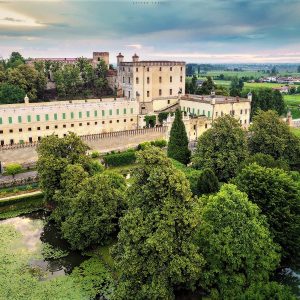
<point>135,46</point>
<point>11,18</point>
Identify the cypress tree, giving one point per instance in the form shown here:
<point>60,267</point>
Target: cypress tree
<point>178,143</point>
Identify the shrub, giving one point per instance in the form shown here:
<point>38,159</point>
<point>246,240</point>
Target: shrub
<point>13,169</point>
<point>119,159</point>
<point>159,143</point>
<point>95,154</point>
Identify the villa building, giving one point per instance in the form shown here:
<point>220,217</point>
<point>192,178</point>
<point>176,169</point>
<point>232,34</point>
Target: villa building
<point>146,88</point>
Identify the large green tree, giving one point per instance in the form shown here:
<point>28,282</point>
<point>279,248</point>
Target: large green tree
<point>178,142</point>
<point>236,87</point>
<point>270,135</point>
<point>235,241</point>
<point>221,148</point>
<point>11,94</point>
<point>278,196</point>
<point>92,214</point>
<point>154,252</point>
<point>54,154</point>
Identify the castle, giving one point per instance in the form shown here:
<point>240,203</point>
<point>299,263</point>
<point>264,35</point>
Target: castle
<point>145,88</point>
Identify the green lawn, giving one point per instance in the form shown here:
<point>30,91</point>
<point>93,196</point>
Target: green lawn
<point>292,100</point>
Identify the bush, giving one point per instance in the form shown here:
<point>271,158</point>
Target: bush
<point>143,146</point>
<point>120,159</point>
<point>95,154</point>
<point>159,143</point>
<point>13,169</point>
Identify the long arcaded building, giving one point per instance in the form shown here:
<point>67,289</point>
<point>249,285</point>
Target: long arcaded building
<point>146,88</point>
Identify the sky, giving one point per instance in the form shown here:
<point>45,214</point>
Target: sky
<point>202,31</point>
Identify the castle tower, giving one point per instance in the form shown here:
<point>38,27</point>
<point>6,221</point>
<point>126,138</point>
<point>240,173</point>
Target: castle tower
<point>120,58</point>
<point>249,96</point>
<point>26,99</point>
<point>135,58</point>
<point>97,56</point>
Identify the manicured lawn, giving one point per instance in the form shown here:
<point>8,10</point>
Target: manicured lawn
<point>292,99</point>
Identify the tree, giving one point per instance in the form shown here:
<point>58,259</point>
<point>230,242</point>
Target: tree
<point>274,71</point>
<point>267,291</point>
<point>265,160</point>
<point>298,69</point>
<point>221,148</point>
<point>154,252</point>
<point>178,142</point>
<point>236,87</point>
<point>54,154</point>
<point>277,195</point>
<point>235,242</point>
<point>270,135</point>
<point>92,215</point>
<point>15,60</point>
<point>11,94</point>
<point>207,183</point>
<point>13,169</point>
<point>207,86</point>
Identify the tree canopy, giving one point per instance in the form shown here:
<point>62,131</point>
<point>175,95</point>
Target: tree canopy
<point>235,242</point>
<point>154,252</point>
<point>221,148</point>
<point>270,135</point>
<point>278,196</point>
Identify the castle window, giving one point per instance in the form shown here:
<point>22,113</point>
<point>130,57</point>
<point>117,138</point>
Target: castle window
<point>159,68</point>
<point>180,68</point>
<point>80,114</point>
<point>29,129</point>
<point>205,125</point>
<point>103,113</point>
<point>110,121</point>
<point>47,127</point>
<point>136,69</point>
<point>246,111</point>
<point>38,128</point>
<point>11,131</point>
<point>80,124</point>
<point>159,92</point>
<point>46,117</point>
<point>128,94</point>
<point>180,78</point>
<point>19,119</point>
<point>148,94</point>
<point>72,115</point>
<point>241,122</point>
<point>124,111</point>
<point>64,126</point>
<point>147,69</point>
<point>117,121</point>
<point>20,129</point>
<point>0,120</point>
<point>55,126</point>
<point>110,112</point>
<point>103,122</point>
<point>88,114</point>
<point>38,118</point>
<point>171,92</point>
<point>9,120</point>
<point>72,125</point>
<point>118,111</point>
<point>160,79</point>
<point>55,116</point>
<point>208,114</point>
<point>148,80</point>
<point>124,120</point>
<point>28,118</point>
<point>137,80</point>
<point>168,101</point>
<point>245,122</point>
<point>131,110</point>
<point>64,116</point>
<point>123,79</point>
<point>131,120</point>
<point>171,68</point>
<point>129,80</point>
<point>171,78</point>
<point>241,111</point>
<point>88,123</point>
<point>95,113</point>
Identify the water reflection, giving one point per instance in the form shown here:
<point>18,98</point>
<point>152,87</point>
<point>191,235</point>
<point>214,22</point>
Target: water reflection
<point>36,230</point>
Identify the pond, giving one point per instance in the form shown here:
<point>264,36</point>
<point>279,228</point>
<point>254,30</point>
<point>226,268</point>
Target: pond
<point>36,232</point>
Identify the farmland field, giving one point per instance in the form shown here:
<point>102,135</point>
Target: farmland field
<point>293,103</point>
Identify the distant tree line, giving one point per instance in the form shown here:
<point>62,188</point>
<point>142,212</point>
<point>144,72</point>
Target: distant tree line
<point>72,81</point>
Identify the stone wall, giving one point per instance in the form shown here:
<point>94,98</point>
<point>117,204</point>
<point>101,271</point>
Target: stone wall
<point>104,142</point>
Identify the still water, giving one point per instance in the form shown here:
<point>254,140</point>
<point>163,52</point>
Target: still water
<point>36,230</point>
